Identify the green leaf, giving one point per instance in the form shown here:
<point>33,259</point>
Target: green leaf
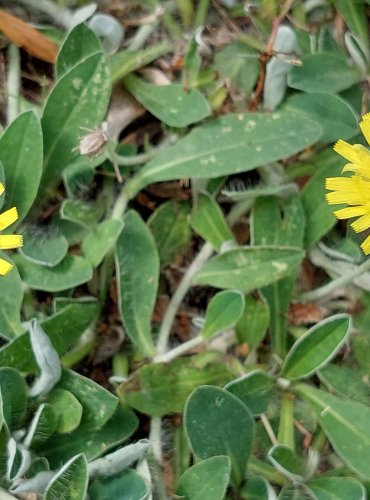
<point>239,65</point>
<point>279,222</point>
<point>10,305</point>
<point>81,212</point>
<point>137,265</point>
<point>69,108</point>
<point>209,222</point>
<point>252,325</point>
<point>287,462</point>
<point>70,272</point>
<point>206,480</point>
<point>316,347</point>
<point>80,43</point>
<point>346,424</point>
<point>251,140</point>
<point>345,381</point>
<point>43,425</point>
<point>296,493</point>
<point>125,486</point>
<point>161,388</point>
<point>124,62</point>
<point>337,488</point>
<point>354,15</point>
<point>170,229</point>
<point>310,77</point>
<point>91,442</point>
<point>98,403</point>
<point>21,156</point>
<point>72,321</point>
<point>67,408</point>
<point>223,312</point>
<point>247,268</point>
<point>319,216</point>
<point>100,240</point>
<point>277,68</point>
<point>254,389</point>
<point>334,114</point>
<point>257,488</point>
<point>13,391</point>
<point>45,249</point>
<point>70,481</point>
<point>218,423</point>
<point>171,104</point>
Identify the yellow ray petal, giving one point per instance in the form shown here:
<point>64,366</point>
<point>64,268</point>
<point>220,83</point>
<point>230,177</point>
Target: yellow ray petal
<point>361,223</point>
<point>7,218</point>
<point>365,245</point>
<point>365,126</point>
<point>5,267</point>
<point>348,212</point>
<point>346,150</point>
<point>2,189</point>
<point>9,241</point>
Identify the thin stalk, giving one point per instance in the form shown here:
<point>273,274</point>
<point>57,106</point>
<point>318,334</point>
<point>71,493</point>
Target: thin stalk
<point>155,437</point>
<point>142,35</point>
<point>319,440</point>
<point>286,427</point>
<point>201,13</point>
<point>177,351</point>
<point>59,14</point>
<point>14,82</point>
<point>346,279</point>
<point>179,295</point>
<point>259,467</point>
<point>266,424</point>
<point>120,205</point>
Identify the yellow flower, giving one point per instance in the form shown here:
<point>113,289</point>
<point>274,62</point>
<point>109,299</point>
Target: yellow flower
<point>8,241</point>
<point>353,191</point>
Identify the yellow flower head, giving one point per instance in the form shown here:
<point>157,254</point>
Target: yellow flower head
<point>8,241</point>
<point>353,191</point>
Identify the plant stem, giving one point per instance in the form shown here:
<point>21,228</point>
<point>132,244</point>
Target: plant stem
<point>336,283</point>
<point>155,438</point>
<point>266,424</point>
<point>14,82</point>
<point>286,428</point>
<point>59,14</point>
<point>179,295</point>
<point>120,205</point>
<point>258,467</point>
<point>177,351</point>
<point>201,13</point>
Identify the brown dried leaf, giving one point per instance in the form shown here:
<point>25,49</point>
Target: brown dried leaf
<point>28,38</point>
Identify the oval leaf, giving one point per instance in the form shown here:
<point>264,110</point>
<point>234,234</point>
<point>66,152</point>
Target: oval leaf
<point>335,115</point>
<point>137,265</point>
<point>21,155</point>
<point>223,312</point>
<point>70,272</point>
<point>80,43</point>
<point>247,268</point>
<point>206,480</point>
<point>346,424</point>
<point>10,305</point>
<point>69,108</point>
<point>310,77</point>
<point>218,423</point>
<point>316,347</point>
<point>172,104</point>
<point>251,140</point>
<point>209,222</point>
<point>337,488</point>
